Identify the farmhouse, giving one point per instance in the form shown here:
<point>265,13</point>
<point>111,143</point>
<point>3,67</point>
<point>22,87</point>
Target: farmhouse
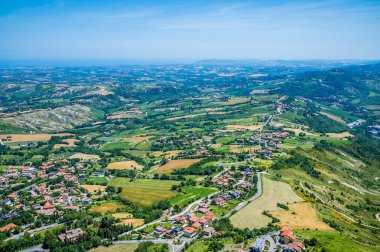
<point>71,235</point>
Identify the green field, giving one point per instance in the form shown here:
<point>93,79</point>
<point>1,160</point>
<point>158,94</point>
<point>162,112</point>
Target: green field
<point>115,248</point>
<point>97,180</point>
<point>145,191</point>
<point>191,193</point>
<point>335,241</point>
<point>117,145</point>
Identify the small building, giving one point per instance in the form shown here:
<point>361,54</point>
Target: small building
<point>209,231</point>
<point>286,235</point>
<point>189,231</point>
<point>294,247</point>
<point>209,216</point>
<point>180,220</point>
<point>71,235</point>
<point>193,219</point>
<point>203,222</point>
<point>159,230</point>
<point>258,245</point>
<point>10,227</point>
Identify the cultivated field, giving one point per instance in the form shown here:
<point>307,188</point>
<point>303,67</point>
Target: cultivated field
<point>191,193</point>
<point>240,149</point>
<point>93,188</point>
<point>185,116</point>
<point>340,135</point>
<point>134,222</point>
<point>102,90</point>
<point>106,207</point>
<point>167,154</point>
<point>32,137</point>
<point>137,138</point>
<point>273,192</point>
<point>125,165</point>
<point>236,101</point>
<point>70,142</point>
<point>300,216</point>
<point>122,215</point>
<point>298,131</point>
<point>244,127</point>
<point>144,191</point>
<point>335,118</point>
<point>86,157</point>
<point>176,164</point>
<point>116,248</point>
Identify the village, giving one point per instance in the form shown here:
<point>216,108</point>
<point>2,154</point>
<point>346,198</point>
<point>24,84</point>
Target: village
<point>53,190</point>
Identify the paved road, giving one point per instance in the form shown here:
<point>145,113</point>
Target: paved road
<point>378,217</point>
<point>170,242</point>
<point>265,124</point>
<point>17,236</point>
<point>167,241</point>
<point>244,203</point>
<point>34,249</point>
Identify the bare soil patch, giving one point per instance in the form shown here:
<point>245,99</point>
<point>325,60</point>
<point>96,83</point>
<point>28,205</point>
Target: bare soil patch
<point>300,216</point>
<point>106,207</point>
<point>32,137</point>
<point>134,222</point>
<point>93,188</point>
<point>236,101</point>
<point>125,165</point>
<point>340,135</point>
<point>70,142</point>
<point>335,118</point>
<point>176,164</point>
<point>122,215</point>
<point>85,156</point>
<point>274,192</point>
<point>244,127</point>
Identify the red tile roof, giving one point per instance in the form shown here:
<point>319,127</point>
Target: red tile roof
<point>7,227</point>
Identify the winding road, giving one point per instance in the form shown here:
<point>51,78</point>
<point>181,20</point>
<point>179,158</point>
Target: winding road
<point>244,203</point>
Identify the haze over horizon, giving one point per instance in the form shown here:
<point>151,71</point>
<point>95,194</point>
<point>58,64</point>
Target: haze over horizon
<point>160,31</point>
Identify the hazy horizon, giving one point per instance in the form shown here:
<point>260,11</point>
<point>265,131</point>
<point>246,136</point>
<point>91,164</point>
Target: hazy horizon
<point>142,62</point>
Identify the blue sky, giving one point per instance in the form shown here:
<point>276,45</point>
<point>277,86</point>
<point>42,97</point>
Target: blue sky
<point>168,30</point>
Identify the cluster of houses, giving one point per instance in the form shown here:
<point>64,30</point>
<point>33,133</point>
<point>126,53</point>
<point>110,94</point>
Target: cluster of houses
<point>191,224</point>
<point>283,240</point>
<point>229,179</point>
<point>44,197</point>
<point>272,139</point>
<point>374,131</point>
<point>188,225</point>
<point>224,180</point>
<point>267,141</point>
<point>356,123</point>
